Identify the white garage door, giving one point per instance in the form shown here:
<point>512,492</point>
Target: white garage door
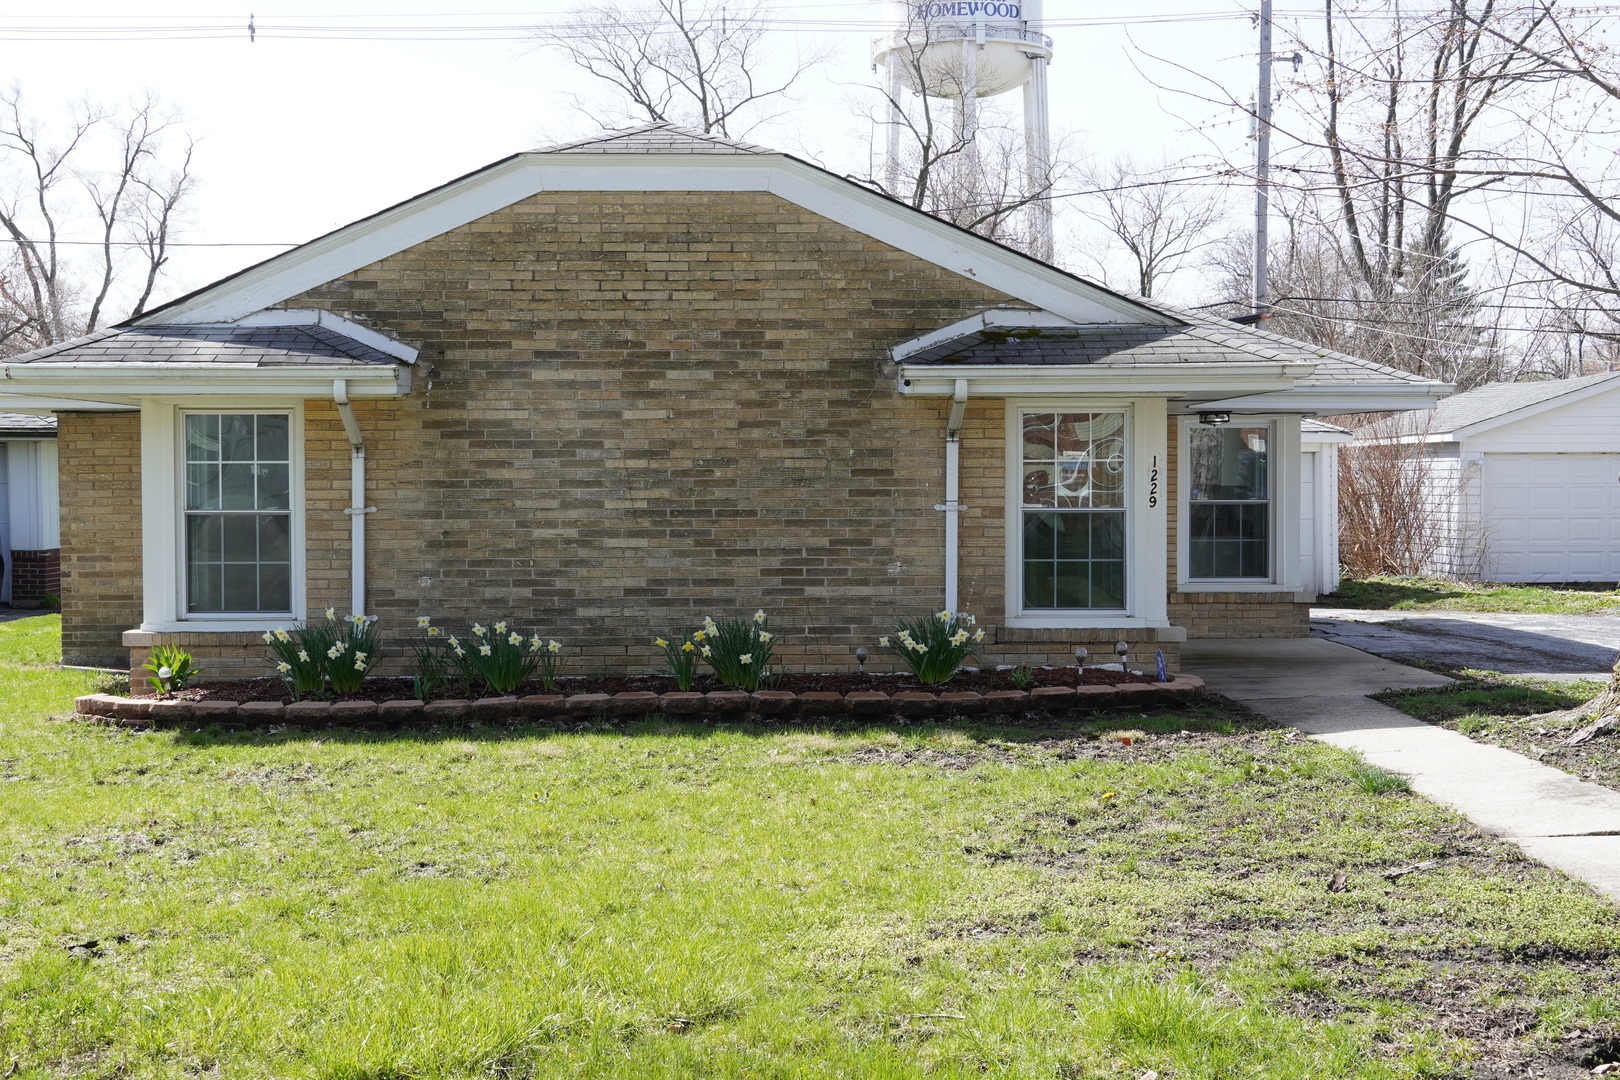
<point>1552,517</point>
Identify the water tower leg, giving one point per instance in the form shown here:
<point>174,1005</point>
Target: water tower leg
<point>1038,160</point>
<point>897,119</point>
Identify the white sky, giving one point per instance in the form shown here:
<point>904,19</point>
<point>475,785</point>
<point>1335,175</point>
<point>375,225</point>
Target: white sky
<point>299,135</point>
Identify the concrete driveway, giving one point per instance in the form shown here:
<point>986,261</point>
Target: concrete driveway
<point>1554,646</point>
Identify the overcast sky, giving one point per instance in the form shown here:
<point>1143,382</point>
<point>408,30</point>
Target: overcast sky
<point>328,117</point>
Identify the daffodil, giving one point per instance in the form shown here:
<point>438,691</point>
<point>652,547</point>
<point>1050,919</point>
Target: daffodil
<point>660,642</point>
<point>334,652</point>
<point>746,658</point>
<point>944,616</point>
<point>283,667</point>
<point>478,631</point>
<point>514,639</point>
<point>453,642</point>
<point>706,650</point>
<point>763,636</point>
<point>500,627</point>
<point>698,635</point>
<point>303,655</point>
<point>423,622</point>
<point>688,647</point>
<point>970,620</point>
<point>554,647</point>
<point>458,650</point>
<point>360,656</point>
<point>535,642</point>
<point>922,649</point>
<point>359,665</point>
<point>433,631</point>
<point>483,650</point>
<point>759,616</point>
<point>978,635</point>
<point>268,637</point>
<point>359,620</point>
<point>331,614</point>
<point>884,641</point>
<point>959,637</point>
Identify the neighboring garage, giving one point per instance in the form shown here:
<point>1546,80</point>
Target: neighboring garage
<point>1526,477</point>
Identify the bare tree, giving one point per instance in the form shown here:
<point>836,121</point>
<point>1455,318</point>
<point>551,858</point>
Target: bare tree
<point>105,170</point>
<point>701,63</point>
<point>1157,223</point>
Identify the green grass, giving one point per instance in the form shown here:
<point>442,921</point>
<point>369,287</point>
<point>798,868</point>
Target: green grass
<point>1444,594</point>
<point>691,900</point>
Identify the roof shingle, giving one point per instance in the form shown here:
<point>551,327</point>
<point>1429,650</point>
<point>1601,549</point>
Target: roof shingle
<point>250,346</point>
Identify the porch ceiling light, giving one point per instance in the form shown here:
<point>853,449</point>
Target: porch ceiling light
<point>1214,419</point>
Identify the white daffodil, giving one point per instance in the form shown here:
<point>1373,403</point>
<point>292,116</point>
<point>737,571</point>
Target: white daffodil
<point>334,652</point>
<point>978,635</point>
<point>359,620</point>
<point>331,614</point>
<point>763,636</point>
<point>971,620</point>
<point>478,631</point>
<point>359,665</point>
<point>922,649</point>
<point>303,655</point>
<point>423,622</point>
<point>269,637</point>
<point>746,658</point>
<point>284,667</point>
<point>554,646</point>
<point>360,656</point>
<point>535,643</point>
<point>759,616</point>
<point>500,627</point>
<point>458,650</point>
<point>514,639</point>
<point>433,631</point>
<point>707,650</point>
<point>282,635</point>
<point>944,616</point>
<point>959,637</point>
<point>453,642</point>
<point>483,650</point>
<point>884,641</point>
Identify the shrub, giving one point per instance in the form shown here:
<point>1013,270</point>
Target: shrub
<point>934,646</point>
<point>171,668</point>
<point>739,650</point>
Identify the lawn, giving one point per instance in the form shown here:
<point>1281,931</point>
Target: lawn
<point>699,900</point>
<point>1505,710</point>
<point>1446,594</point>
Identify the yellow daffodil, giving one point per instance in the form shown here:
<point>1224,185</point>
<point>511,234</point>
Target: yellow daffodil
<point>688,647</point>
<point>660,642</point>
<point>698,635</point>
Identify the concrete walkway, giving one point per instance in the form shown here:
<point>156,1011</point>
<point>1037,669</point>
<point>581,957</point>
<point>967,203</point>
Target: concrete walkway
<point>1320,687</point>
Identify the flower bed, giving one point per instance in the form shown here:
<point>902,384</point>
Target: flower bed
<point>1057,690</point>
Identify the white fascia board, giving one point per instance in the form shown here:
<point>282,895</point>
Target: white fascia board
<point>974,323</point>
<point>140,380</point>
<point>1146,380</point>
<point>1527,411</point>
<point>508,182</point>
<point>44,406</point>
<point>1346,399</point>
<point>366,335</point>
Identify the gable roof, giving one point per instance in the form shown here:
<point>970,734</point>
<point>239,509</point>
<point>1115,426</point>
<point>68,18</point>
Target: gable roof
<point>1494,404</point>
<point>651,157</point>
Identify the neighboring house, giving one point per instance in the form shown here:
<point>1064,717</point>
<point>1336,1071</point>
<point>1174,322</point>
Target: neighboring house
<point>30,563</point>
<point>1525,479</point>
<point>610,387</point>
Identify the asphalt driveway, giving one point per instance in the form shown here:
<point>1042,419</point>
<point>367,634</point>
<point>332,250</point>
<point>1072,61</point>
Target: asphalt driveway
<point>1555,646</point>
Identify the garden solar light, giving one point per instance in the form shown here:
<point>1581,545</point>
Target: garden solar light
<point>1121,648</point>
<point>1080,656</point>
<point>860,658</point>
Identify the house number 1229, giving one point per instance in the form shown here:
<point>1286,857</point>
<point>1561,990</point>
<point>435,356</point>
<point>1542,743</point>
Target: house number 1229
<point>1153,482</point>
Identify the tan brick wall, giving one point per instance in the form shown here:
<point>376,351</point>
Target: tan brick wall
<point>1225,614</point>
<point>99,485</point>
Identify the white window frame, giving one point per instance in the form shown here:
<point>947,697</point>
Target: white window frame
<point>1283,460</point>
<point>163,462</point>
<point>1146,514</point>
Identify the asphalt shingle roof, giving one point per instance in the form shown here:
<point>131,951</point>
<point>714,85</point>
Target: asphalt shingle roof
<point>23,424</point>
<point>1491,401</point>
<point>656,138</point>
<point>250,346</point>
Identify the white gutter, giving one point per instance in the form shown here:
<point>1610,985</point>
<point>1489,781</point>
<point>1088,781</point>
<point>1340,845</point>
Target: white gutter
<point>357,508</point>
<point>953,491</point>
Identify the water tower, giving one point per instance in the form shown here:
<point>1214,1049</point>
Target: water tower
<point>963,50</point>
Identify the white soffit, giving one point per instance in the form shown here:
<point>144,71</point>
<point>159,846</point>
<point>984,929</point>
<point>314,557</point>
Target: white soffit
<point>514,179</point>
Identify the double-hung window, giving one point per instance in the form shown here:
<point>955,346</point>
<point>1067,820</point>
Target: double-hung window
<point>237,511</point>
<point>1229,505</point>
<point>1075,480</point>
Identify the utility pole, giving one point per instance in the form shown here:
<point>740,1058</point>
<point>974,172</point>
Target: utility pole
<point>1262,164</point>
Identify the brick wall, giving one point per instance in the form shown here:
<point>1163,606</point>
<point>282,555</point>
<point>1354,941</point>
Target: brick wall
<point>34,576</point>
<point>99,485</point>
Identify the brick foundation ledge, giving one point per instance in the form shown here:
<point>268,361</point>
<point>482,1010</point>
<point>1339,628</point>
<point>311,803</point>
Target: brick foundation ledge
<point>721,704</point>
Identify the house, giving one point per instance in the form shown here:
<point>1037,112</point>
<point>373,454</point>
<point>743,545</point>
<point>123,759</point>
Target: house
<point>1524,479</point>
<point>30,566</point>
<point>608,387</point>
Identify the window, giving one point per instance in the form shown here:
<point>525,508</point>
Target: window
<point>237,510</point>
<point>1073,511</point>
<point>1229,527</point>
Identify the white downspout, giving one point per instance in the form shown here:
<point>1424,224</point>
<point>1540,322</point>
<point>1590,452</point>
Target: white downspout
<point>357,508</point>
<point>953,490</point>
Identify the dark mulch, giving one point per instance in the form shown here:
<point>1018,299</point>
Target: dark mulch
<point>390,689</point>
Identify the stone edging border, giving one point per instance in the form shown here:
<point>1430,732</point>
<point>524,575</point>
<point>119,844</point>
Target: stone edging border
<point>770,704</point>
